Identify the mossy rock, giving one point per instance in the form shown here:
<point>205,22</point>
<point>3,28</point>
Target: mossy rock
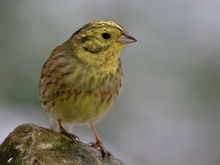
<point>29,144</point>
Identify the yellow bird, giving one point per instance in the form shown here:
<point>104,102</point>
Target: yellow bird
<point>82,78</point>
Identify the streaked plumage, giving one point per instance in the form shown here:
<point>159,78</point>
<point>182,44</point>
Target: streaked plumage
<point>82,78</point>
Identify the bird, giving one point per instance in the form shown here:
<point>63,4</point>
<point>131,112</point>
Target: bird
<point>82,78</point>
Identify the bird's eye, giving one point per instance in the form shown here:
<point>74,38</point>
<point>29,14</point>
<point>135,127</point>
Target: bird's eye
<point>106,36</point>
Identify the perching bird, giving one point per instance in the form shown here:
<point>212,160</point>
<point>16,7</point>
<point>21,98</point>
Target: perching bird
<point>82,78</point>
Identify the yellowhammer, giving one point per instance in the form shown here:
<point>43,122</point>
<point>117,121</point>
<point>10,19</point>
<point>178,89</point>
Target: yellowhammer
<point>82,78</point>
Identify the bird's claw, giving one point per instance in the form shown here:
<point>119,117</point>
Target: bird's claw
<point>69,135</point>
<point>101,147</point>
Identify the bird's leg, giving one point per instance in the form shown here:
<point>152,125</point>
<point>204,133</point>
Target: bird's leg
<point>64,132</point>
<point>98,143</point>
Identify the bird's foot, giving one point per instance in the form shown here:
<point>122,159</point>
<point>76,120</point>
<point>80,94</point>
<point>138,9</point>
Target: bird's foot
<point>69,135</point>
<point>100,146</point>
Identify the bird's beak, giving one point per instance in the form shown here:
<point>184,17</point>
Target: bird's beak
<point>126,39</point>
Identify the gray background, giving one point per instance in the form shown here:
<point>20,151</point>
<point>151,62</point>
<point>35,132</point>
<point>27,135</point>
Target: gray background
<point>169,110</point>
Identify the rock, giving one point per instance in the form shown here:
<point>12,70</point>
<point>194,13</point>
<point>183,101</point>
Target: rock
<point>29,144</point>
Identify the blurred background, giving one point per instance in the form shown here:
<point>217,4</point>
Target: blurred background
<point>168,112</point>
